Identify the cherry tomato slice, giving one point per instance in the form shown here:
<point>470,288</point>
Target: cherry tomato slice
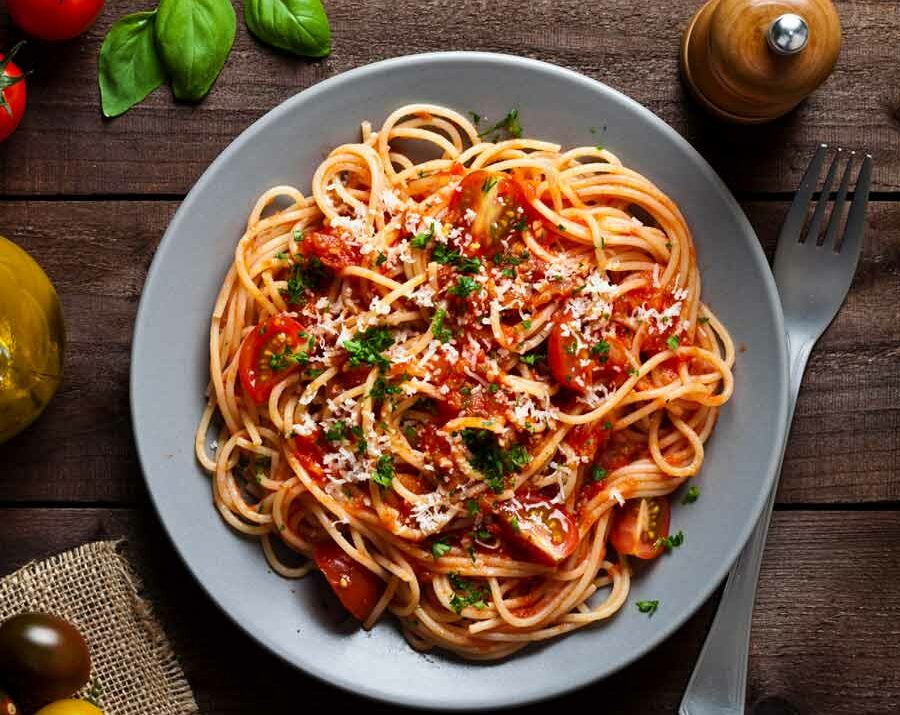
<point>357,588</point>
<point>569,358</point>
<point>545,531</point>
<point>497,201</point>
<point>639,525</point>
<point>332,249</point>
<point>272,351</point>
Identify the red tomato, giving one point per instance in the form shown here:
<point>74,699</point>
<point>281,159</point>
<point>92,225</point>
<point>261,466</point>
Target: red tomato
<point>334,251</point>
<point>498,202</point>
<point>54,19</point>
<point>12,94</point>
<point>546,531</point>
<point>309,453</point>
<point>356,587</point>
<point>567,359</point>
<point>587,439</point>
<point>639,525</point>
<point>266,355</point>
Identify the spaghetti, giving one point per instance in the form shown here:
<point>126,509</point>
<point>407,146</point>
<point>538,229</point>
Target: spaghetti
<point>452,378</point>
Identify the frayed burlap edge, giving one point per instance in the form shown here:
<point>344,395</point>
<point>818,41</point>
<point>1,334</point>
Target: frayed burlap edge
<point>134,669</point>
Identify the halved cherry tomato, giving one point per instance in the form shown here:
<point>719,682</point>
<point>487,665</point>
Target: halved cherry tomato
<point>332,249</point>
<point>587,439</point>
<point>639,525</point>
<point>570,361</point>
<point>54,19</point>
<point>12,94</point>
<point>546,531</point>
<point>357,588</point>
<point>498,202</point>
<point>269,354</point>
<point>308,451</point>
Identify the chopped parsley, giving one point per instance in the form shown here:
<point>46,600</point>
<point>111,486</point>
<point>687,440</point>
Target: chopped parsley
<point>362,446</point>
<point>437,326</point>
<point>298,235</point>
<point>510,259</point>
<point>692,495</point>
<point>494,462</point>
<point>670,542</point>
<point>514,523</point>
<point>493,387</point>
<point>509,125</point>
<point>307,274</point>
<point>602,350</point>
<point>464,287</point>
<point>476,118</point>
<point>531,359</point>
<point>420,240</point>
<point>367,347</point>
<point>282,360</point>
<point>382,388</point>
<point>703,321</point>
<point>561,227</point>
<point>526,324</point>
<point>466,593</point>
<point>472,507</point>
<point>468,265</point>
<point>598,474</point>
<point>440,548</point>
<point>381,260</point>
<point>384,471</point>
<point>337,432</point>
<point>633,371</point>
<point>444,255</point>
<point>648,607</point>
<point>673,342</point>
<point>488,184</point>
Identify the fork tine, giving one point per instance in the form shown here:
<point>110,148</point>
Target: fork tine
<point>793,222</point>
<point>813,231</point>
<point>856,220</point>
<point>838,209</point>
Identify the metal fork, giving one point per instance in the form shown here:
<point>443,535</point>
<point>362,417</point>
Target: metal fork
<point>813,275</point>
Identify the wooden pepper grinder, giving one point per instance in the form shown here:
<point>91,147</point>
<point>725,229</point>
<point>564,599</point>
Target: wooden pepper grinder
<point>750,61</point>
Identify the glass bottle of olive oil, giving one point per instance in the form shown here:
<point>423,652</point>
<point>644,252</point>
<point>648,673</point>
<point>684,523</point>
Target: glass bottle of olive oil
<point>32,340</point>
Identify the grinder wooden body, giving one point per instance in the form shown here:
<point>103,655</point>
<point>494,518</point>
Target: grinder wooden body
<point>738,64</point>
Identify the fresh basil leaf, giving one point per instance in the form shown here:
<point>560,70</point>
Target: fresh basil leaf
<point>194,38</point>
<point>129,67</point>
<point>297,26</point>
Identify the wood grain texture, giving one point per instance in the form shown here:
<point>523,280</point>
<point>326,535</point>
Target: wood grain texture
<point>824,637</point>
<point>65,147</point>
<point>844,447</point>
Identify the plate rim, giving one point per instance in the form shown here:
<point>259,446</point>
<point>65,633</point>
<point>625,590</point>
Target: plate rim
<point>769,472</point>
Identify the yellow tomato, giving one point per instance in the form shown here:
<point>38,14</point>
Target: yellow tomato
<point>69,707</point>
<point>32,340</point>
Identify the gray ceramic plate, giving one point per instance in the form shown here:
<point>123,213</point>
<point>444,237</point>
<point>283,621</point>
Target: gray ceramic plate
<point>169,376</point>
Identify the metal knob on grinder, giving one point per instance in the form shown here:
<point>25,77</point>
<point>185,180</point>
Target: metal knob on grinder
<point>750,61</point>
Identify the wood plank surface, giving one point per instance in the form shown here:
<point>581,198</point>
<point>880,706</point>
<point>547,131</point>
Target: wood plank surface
<point>845,445</point>
<point>824,637</point>
<point>64,146</point>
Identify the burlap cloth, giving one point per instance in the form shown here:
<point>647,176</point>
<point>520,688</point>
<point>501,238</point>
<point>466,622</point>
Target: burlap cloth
<point>134,670</point>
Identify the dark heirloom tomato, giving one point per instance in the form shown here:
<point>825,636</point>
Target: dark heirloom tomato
<point>496,199</point>
<point>269,354</point>
<point>333,250</point>
<point>545,531</point>
<point>357,588</point>
<point>567,358</point>
<point>638,526</point>
<point>42,658</point>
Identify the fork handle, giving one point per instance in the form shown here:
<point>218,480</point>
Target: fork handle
<point>719,682</point>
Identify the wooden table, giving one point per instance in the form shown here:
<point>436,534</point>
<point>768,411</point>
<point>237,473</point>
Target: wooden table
<point>91,198</point>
